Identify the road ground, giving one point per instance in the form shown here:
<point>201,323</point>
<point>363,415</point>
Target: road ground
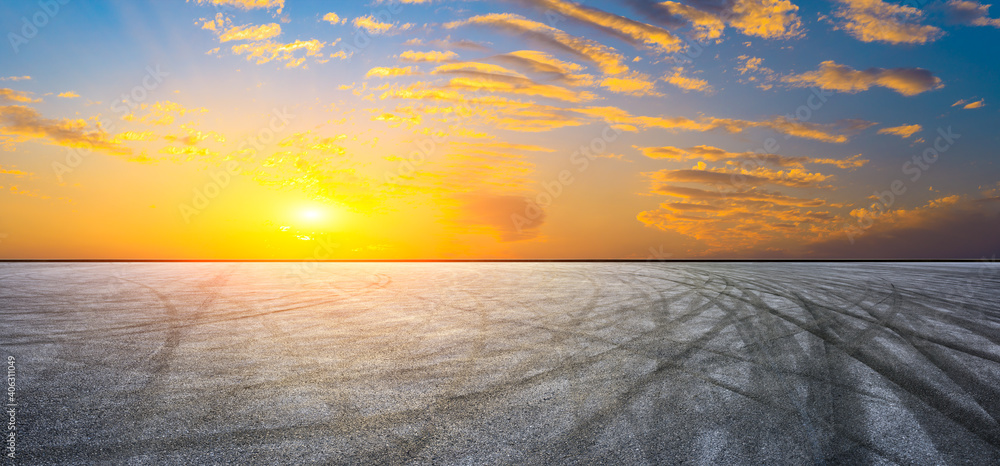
<point>491,363</point>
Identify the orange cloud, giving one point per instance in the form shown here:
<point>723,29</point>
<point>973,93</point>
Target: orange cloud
<point>977,104</point>
<point>603,56</point>
<point>769,19</point>
<point>533,61</point>
<point>10,95</point>
<point>715,154</point>
<point>971,13</point>
<point>879,21</point>
<point>68,95</point>
<point>25,123</point>
<point>632,31</point>
<point>903,131</point>
<point>830,75</point>
<point>248,4</point>
<point>822,132</point>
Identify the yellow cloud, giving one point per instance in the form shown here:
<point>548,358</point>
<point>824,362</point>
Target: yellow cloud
<point>384,72</point>
<point>68,95</point>
<point>879,21</point>
<point>770,19</point>
<point>332,18</point>
<point>903,131</point>
<point>634,83</point>
<point>10,95</point>
<point>134,136</point>
<point>516,85</point>
<point>687,83</point>
<point>433,56</point>
<point>162,113</point>
<point>255,33</point>
<point>263,52</point>
<point>830,75</point>
<point>373,26</point>
<point>15,78</point>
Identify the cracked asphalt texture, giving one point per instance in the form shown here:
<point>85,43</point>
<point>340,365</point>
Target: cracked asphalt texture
<point>495,363</point>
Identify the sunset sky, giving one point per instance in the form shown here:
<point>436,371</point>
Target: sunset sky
<point>432,129</point>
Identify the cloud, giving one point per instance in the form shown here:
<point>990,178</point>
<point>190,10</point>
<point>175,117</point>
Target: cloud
<point>25,123</point>
<point>518,85</point>
<point>248,4</point>
<point>162,113</point>
<point>511,218</point>
<point>879,21</point>
<point>687,83</point>
<point>448,43</point>
<point>977,104</point>
<point>10,95</point>
<point>533,61</point>
<point>903,131</point>
<point>830,75</point>
<point>433,56</point>
<point>768,19</point>
<point>15,78</point>
<point>960,227</point>
<point>796,178</point>
<point>384,72</point>
<point>727,221</point>
<point>254,33</point>
<point>606,58</point>
<point>632,31</point>
<point>634,83</point>
<point>970,13</point>
<point>68,95</point>
<point>715,154</point>
<point>332,18</point>
<point>621,119</point>
<point>373,26</point>
<point>263,52</point>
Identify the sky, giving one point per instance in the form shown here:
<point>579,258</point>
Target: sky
<point>522,129</point>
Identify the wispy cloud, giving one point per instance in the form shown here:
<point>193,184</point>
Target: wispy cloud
<point>830,75</point>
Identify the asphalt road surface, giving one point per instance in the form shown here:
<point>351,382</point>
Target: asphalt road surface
<point>494,363</point>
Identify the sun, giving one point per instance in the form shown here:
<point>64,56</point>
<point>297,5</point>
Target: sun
<point>311,214</point>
